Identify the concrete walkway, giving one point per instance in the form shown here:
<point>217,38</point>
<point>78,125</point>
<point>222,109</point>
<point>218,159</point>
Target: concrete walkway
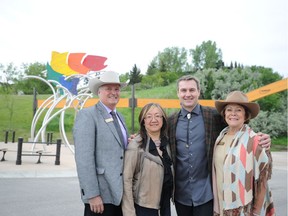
<point>58,183</point>
<point>67,168</point>
<point>30,168</point>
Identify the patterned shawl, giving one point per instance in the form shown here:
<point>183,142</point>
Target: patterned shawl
<point>245,166</point>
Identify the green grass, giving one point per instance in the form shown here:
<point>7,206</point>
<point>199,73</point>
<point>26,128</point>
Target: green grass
<point>22,113</point>
<point>279,144</point>
<point>16,114</point>
<point>166,92</point>
<point>22,116</point>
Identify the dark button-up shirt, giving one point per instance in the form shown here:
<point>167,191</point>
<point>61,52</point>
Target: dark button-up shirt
<point>193,185</point>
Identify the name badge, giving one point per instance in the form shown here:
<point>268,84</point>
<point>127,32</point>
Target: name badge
<point>109,120</point>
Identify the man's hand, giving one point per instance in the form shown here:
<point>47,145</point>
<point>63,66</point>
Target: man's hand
<point>96,204</point>
<point>264,140</point>
<point>132,136</point>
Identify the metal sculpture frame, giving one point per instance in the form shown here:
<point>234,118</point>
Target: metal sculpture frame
<point>51,102</point>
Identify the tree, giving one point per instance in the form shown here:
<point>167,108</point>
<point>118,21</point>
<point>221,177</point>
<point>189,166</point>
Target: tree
<point>123,77</point>
<point>220,64</point>
<point>152,67</point>
<point>272,123</point>
<point>135,75</point>
<point>11,72</point>
<point>272,118</point>
<point>273,115</point>
<point>267,76</point>
<point>7,89</point>
<point>226,81</point>
<point>152,81</point>
<point>7,92</point>
<point>172,59</point>
<point>27,85</point>
<point>207,55</point>
<point>207,82</point>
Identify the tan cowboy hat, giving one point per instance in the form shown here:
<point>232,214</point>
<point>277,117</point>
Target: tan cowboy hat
<point>107,77</point>
<point>238,97</point>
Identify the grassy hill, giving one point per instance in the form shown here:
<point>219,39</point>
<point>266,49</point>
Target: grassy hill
<point>16,114</point>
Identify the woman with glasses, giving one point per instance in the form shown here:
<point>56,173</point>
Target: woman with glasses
<point>148,178</point>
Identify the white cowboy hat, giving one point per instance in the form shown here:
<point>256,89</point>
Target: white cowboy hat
<point>107,77</point>
<point>238,97</point>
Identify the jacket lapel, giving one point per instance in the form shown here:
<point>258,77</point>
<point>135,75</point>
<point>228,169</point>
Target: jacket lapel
<point>108,121</point>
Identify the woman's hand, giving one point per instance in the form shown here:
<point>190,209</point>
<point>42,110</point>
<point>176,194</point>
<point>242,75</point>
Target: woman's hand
<point>264,140</point>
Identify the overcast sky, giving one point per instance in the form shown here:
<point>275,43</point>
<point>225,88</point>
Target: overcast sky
<point>128,32</point>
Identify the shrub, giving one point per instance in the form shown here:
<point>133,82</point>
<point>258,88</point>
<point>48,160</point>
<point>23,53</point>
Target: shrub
<point>272,123</point>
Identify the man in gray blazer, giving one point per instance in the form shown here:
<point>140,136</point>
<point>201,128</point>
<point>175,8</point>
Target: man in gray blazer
<point>99,149</point>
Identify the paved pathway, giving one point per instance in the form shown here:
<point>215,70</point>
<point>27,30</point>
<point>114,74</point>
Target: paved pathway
<point>46,189</point>
<point>29,168</point>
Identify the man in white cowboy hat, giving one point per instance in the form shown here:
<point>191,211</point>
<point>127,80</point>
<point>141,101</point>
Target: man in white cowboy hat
<point>192,134</point>
<point>100,138</point>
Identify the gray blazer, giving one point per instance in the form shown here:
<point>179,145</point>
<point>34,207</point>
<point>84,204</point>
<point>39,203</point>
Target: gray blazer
<point>98,155</point>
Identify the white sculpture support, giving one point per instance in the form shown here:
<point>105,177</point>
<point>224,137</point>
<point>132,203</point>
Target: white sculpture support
<point>51,103</point>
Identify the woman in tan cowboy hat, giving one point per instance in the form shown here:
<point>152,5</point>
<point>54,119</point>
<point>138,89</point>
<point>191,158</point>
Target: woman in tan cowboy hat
<point>241,168</point>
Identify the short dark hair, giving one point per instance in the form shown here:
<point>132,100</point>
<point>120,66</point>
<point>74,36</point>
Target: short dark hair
<point>187,78</point>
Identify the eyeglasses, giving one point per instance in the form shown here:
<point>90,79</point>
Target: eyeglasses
<point>150,117</point>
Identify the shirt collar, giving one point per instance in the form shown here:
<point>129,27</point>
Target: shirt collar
<point>107,108</point>
<point>195,111</point>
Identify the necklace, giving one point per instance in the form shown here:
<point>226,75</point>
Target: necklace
<point>157,143</point>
